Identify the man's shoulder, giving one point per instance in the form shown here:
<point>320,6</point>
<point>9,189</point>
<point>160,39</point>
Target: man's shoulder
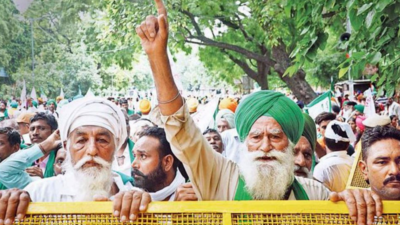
<point>314,189</point>
<point>44,183</point>
<point>44,190</point>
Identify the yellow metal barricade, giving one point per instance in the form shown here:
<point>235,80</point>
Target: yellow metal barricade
<point>356,179</point>
<point>206,213</point>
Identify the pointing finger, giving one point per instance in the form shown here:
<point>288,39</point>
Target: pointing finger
<point>161,7</point>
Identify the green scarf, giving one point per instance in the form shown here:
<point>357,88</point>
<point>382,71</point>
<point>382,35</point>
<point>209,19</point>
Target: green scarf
<point>131,145</point>
<point>49,172</point>
<point>2,187</point>
<point>310,133</point>
<point>243,195</point>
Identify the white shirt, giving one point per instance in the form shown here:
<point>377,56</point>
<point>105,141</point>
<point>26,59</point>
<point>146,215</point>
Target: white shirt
<point>232,145</point>
<point>333,170</point>
<point>126,167</point>
<point>61,188</point>
<point>393,109</point>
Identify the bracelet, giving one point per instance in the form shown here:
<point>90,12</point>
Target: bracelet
<point>165,102</point>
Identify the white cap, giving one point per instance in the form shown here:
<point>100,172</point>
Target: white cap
<point>376,120</point>
<point>329,133</point>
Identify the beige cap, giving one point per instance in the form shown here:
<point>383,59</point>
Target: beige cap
<point>25,117</point>
<point>376,120</point>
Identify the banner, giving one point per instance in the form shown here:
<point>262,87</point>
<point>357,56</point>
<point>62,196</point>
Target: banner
<point>321,104</point>
<point>369,109</point>
<point>33,94</point>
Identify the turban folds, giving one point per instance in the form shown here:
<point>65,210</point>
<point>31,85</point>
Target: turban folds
<point>228,103</point>
<point>228,115</point>
<point>49,102</point>
<point>275,105</point>
<point>144,106</point>
<point>93,111</point>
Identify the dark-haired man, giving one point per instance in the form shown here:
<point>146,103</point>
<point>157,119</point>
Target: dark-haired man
<point>155,168</point>
<point>334,168</point>
<point>380,162</point>
<point>322,120</point>
<point>214,139</point>
<point>42,126</point>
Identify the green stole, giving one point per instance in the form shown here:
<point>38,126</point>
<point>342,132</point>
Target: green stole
<point>131,145</point>
<point>2,187</point>
<point>243,195</point>
<point>49,172</point>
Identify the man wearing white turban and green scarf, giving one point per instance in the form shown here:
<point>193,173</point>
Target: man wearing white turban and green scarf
<point>269,124</point>
<point>91,129</point>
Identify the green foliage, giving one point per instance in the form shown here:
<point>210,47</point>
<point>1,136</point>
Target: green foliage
<point>374,36</point>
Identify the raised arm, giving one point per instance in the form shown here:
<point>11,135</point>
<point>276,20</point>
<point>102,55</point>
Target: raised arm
<point>153,33</point>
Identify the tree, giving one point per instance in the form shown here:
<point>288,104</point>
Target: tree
<point>374,36</point>
<point>235,42</point>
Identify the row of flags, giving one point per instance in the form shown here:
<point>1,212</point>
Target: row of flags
<point>34,96</point>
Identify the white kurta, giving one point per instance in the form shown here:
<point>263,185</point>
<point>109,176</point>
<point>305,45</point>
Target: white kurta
<point>333,170</point>
<point>232,145</point>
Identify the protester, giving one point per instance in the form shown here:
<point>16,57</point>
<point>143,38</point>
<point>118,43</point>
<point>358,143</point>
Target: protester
<point>392,108</point>
<point>124,104</point>
<point>214,139</point>
<point>304,160</point>
<point>267,121</point>
<point>155,168</point>
<point>225,120</point>
<point>61,155</point>
<point>380,161</point>
<point>322,121</point>
<point>394,120</point>
<point>145,108</point>
<point>334,168</point>
<point>90,137</point>
<point>42,126</point>
<point>3,111</point>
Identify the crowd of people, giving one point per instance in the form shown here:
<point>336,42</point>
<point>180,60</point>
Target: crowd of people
<point>260,147</point>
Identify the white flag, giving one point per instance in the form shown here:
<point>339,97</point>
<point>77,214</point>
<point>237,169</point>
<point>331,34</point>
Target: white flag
<point>369,109</point>
<point>62,93</point>
<point>33,94</point>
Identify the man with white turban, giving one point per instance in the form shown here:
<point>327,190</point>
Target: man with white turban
<point>91,130</point>
<point>225,120</point>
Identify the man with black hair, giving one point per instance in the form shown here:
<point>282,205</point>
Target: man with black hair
<point>214,139</point>
<point>334,168</point>
<point>42,126</point>
<point>380,162</point>
<point>125,105</point>
<point>155,168</point>
<point>322,120</point>
<point>9,142</point>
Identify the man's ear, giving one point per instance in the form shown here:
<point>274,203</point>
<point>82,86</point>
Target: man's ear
<point>364,170</point>
<point>168,162</point>
<point>16,147</point>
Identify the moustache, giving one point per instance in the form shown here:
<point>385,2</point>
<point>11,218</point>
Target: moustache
<point>95,159</point>
<point>138,173</point>
<point>391,178</point>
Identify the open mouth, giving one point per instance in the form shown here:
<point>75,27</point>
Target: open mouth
<point>266,158</point>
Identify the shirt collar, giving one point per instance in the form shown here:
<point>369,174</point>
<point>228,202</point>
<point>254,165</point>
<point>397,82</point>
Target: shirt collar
<point>340,154</point>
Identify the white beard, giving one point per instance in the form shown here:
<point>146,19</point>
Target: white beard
<point>91,181</point>
<point>268,180</point>
<point>304,170</point>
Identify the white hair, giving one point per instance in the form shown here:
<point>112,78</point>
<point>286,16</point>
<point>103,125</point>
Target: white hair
<point>91,181</point>
<point>268,180</point>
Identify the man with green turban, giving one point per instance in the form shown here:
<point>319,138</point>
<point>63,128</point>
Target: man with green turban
<point>52,107</point>
<point>267,122</point>
<point>304,162</point>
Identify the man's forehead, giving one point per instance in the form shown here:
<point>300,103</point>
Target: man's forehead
<point>146,144</point>
<point>39,123</point>
<point>385,148</point>
<point>211,134</point>
<point>85,130</point>
<point>266,123</point>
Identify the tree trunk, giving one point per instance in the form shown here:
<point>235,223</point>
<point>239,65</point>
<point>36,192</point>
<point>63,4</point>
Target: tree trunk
<point>262,75</point>
<point>296,83</point>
